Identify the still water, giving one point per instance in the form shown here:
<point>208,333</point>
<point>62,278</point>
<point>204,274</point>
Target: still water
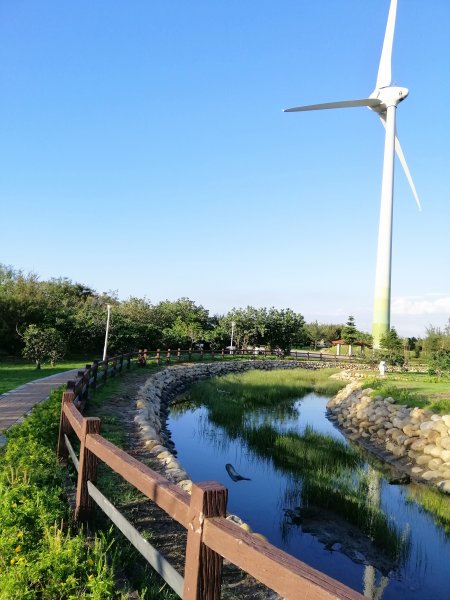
<point>268,500</point>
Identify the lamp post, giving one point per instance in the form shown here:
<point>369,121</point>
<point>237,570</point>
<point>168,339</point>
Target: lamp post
<point>105,349</point>
<point>233,323</point>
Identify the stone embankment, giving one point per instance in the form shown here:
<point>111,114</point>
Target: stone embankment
<point>162,389</point>
<point>417,440</point>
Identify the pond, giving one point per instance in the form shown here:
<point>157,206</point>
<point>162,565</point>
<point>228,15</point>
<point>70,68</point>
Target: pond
<point>403,553</point>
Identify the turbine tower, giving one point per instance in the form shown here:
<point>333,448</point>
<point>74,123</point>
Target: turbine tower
<point>383,101</point>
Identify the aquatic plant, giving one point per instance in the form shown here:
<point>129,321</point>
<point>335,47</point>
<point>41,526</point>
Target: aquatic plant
<point>432,501</point>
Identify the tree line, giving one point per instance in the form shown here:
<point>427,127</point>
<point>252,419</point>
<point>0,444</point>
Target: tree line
<point>71,318</point>
<point>45,320</point>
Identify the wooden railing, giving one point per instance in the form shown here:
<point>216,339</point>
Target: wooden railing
<point>96,375</point>
<point>211,537</point>
<point>193,355</point>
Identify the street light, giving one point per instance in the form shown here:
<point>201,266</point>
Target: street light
<point>108,307</point>
<point>233,323</point>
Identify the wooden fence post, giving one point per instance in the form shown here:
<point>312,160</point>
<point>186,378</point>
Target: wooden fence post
<point>145,355</point>
<point>201,354</point>
<point>87,470</point>
<point>158,356</point>
<point>114,371</point>
<point>190,354</point>
<point>105,367</point>
<point>94,374</point>
<point>223,354</point>
<point>86,380</point>
<point>178,354</point>
<point>203,567</point>
<point>64,428</point>
<point>168,356</point>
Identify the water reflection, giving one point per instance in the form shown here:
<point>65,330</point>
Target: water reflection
<point>397,553</point>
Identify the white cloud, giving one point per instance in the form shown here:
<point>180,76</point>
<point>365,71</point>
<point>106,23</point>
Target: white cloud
<point>422,305</point>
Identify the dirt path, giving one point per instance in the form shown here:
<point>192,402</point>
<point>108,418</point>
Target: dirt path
<point>165,534</point>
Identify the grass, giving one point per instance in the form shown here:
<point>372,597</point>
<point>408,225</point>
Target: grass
<point>434,502</point>
<point>15,374</point>
<point>42,556</point>
<point>414,389</point>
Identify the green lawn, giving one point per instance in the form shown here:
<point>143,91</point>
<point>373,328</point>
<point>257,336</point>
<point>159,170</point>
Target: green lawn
<point>13,375</point>
<point>415,389</point>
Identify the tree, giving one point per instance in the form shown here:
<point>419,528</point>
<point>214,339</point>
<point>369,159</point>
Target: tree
<point>315,332</point>
<point>284,329</point>
<point>249,326</point>
<point>42,344</point>
<point>332,332</point>
<point>391,348</point>
<point>439,363</point>
<point>350,334</point>
<point>176,323</point>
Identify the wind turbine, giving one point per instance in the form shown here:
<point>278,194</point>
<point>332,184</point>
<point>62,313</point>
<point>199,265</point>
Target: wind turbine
<point>383,101</point>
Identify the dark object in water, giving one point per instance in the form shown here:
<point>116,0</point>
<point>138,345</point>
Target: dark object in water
<point>234,474</point>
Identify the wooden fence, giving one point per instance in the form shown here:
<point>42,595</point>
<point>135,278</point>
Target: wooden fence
<point>211,537</point>
<point>168,356</point>
<point>96,375</point>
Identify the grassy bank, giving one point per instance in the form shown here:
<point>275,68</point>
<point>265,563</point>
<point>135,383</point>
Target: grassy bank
<point>414,389</point>
<point>15,374</point>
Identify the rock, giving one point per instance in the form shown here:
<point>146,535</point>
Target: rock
<point>434,464</point>
<point>185,484</point>
<point>445,486</point>
<point>429,475</point>
<point>445,442</point>
<point>416,470</point>
<point>149,444</point>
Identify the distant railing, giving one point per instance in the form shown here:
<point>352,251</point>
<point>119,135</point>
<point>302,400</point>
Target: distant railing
<point>198,354</point>
<point>211,537</point>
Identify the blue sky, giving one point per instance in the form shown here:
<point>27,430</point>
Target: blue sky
<point>144,150</point>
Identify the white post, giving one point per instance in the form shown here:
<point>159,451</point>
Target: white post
<point>105,349</point>
<point>232,335</point>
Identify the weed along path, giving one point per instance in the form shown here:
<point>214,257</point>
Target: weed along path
<point>17,403</point>
<point>311,491</point>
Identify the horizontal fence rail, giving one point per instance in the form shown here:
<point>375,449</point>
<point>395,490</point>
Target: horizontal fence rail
<point>211,537</point>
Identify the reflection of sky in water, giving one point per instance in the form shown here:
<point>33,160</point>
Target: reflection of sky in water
<point>204,449</point>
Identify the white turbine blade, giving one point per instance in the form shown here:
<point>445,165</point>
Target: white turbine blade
<point>344,104</point>
<point>384,70</point>
<point>402,159</point>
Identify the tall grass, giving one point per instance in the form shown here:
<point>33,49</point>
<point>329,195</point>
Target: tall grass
<point>434,502</point>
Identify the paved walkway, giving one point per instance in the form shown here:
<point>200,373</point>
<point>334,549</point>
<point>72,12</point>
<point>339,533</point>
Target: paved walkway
<point>14,405</point>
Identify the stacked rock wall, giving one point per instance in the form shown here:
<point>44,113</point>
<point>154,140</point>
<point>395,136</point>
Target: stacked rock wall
<point>419,440</point>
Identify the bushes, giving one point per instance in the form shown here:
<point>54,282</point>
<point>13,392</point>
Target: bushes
<point>40,554</point>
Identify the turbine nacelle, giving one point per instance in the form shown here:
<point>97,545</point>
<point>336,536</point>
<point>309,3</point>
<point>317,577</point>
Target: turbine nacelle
<point>388,96</point>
